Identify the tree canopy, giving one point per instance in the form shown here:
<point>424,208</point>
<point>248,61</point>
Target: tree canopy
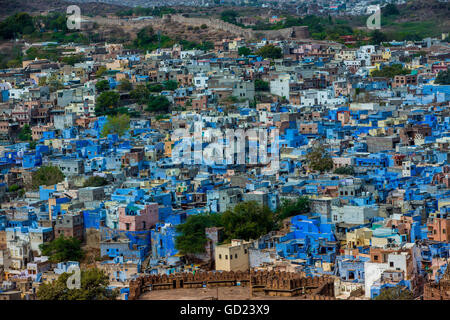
<point>107,103</point>
<point>170,85</point>
<point>318,159</point>
<point>244,51</point>
<point>192,237</point>
<point>25,133</point>
<point>102,85</point>
<point>270,51</point>
<point>289,208</point>
<point>391,71</point>
<point>116,124</point>
<point>395,293</point>
<point>93,286</point>
<point>158,104</point>
<point>247,220</point>
<point>46,176</point>
<point>62,249</point>
<point>95,181</point>
<point>443,77</point>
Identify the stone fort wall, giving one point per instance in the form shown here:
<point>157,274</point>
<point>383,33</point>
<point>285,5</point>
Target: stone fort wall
<point>271,282</point>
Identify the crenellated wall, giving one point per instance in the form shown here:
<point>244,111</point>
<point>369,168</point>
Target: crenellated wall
<point>271,282</point>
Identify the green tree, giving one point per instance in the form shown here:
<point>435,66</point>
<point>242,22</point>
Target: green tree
<point>116,124</point>
<point>46,176</point>
<point>443,77</point>
<point>391,71</point>
<point>289,208</point>
<point>158,104</point>
<point>170,85</point>
<point>100,71</point>
<point>62,249</point>
<point>349,170</point>
<point>261,85</point>
<point>93,286</point>
<point>102,85</point>
<point>25,133</point>
<point>72,59</point>
<point>247,220</point>
<point>124,86</point>
<point>107,103</point>
<point>395,293</point>
<point>270,51</point>
<point>318,159</point>
<point>390,10</point>
<point>229,16</point>
<point>244,51</point>
<point>191,238</point>
<point>95,181</point>
<point>378,37</point>
<point>155,87</point>
<point>16,25</point>
<point>140,93</point>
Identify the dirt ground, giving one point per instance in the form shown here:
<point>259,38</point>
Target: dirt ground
<point>224,293</point>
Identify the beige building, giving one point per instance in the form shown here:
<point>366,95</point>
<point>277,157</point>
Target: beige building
<point>232,256</point>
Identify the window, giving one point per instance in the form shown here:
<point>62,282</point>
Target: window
<point>226,257</point>
<point>220,256</point>
<point>235,256</point>
<point>391,264</point>
<point>375,258</point>
<point>231,257</point>
<point>245,251</point>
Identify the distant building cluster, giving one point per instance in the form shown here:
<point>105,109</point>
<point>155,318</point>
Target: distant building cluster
<point>379,217</point>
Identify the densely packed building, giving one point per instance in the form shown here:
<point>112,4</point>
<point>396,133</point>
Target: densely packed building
<point>378,218</point>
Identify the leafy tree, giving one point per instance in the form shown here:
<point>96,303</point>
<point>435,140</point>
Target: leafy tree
<point>170,85</point>
<point>116,124</point>
<point>95,181</point>
<point>390,10</point>
<point>378,37</point>
<point>395,293</point>
<point>25,133</point>
<point>101,71</point>
<point>247,220</point>
<point>270,51</point>
<point>443,77</point>
<point>102,85</point>
<point>349,170</point>
<point>15,25</point>
<point>158,104</point>
<point>46,176</point>
<point>140,93</point>
<point>318,159</point>
<point>261,85</point>
<point>72,59</point>
<point>390,71</point>
<point>244,51</point>
<point>191,237</point>
<point>229,16</point>
<point>155,88</point>
<point>147,39</point>
<point>13,188</point>
<point>93,286</point>
<point>62,249</point>
<point>107,103</point>
<point>125,85</point>
<point>289,208</point>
